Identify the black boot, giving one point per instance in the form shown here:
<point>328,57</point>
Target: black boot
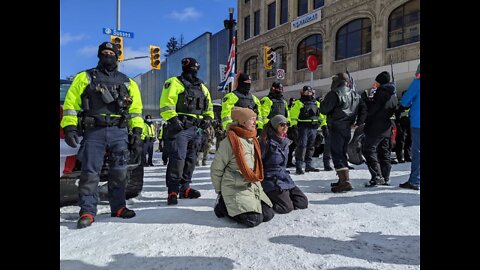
<point>124,212</point>
<point>311,169</point>
<point>190,193</point>
<point>220,208</point>
<point>84,221</point>
<point>172,198</point>
<point>299,170</point>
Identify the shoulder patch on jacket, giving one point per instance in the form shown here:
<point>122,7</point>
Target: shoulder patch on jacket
<point>166,85</point>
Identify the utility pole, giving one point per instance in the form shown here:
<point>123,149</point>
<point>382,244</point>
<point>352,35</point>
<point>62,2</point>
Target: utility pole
<point>118,26</point>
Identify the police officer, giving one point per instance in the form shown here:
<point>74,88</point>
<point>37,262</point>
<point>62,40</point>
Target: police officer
<point>292,136</point>
<point>148,137</point>
<point>344,108</point>
<point>109,101</point>
<point>305,118</point>
<point>241,97</point>
<point>186,105</point>
<point>274,104</point>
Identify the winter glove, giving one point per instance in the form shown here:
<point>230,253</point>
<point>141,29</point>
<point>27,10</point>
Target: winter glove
<point>71,137</point>
<point>293,133</point>
<point>206,122</point>
<point>175,124</point>
<point>325,131</point>
<point>135,144</point>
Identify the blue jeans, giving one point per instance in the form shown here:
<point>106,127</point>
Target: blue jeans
<point>415,169</point>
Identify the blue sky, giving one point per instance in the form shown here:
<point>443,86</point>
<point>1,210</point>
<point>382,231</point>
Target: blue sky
<point>151,21</point>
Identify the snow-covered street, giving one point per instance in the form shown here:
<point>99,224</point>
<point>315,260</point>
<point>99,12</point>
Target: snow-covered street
<point>366,228</point>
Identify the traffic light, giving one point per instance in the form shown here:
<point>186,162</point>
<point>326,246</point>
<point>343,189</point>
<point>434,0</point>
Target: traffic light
<point>269,57</point>
<point>119,42</point>
<point>155,57</point>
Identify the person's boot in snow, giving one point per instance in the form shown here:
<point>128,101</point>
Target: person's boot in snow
<point>311,169</point>
<point>378,180</point>
<point>84,221</point>
<point>190,193</point>
<point>220,208</point>
<point>343,184</point>
<point>299,170</point>
<point>172,198</point>
<point>124,212</point>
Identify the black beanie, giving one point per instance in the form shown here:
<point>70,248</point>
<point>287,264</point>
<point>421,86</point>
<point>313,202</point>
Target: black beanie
<point>107,46</point>
<point>243,77</point>
<point>383,78</point>
<point>189,63</point>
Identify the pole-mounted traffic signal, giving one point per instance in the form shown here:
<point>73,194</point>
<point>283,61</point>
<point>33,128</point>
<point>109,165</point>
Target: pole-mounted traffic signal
<point>269,57</point>
<point>155,57</point>
<point>119,42</point>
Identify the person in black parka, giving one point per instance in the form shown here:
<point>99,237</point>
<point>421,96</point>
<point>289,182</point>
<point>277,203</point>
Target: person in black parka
<point>378,129</point>
<point>277,183</point>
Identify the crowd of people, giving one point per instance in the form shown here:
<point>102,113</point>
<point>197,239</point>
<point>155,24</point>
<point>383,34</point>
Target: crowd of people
<point>256,139</point>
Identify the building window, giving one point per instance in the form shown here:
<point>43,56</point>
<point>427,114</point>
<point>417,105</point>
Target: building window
<point>354,38</point>
<point>281,61</point>
<point>404,24</point>
<point>283,11</point>
<point>246,30</point>
<point>311,45</point>
<point>302,7</point>
<point>251,67</point>
<point>256,23</point>
<point>318,4</point>
<point>271,15</point>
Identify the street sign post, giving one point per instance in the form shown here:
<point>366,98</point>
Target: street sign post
<point>312,63</point>
<point>119,33</point>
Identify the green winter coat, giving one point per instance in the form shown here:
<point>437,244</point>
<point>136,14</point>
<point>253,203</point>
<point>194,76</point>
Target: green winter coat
<point>239,195</point>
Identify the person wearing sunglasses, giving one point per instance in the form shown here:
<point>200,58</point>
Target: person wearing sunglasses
<point>277,184</point>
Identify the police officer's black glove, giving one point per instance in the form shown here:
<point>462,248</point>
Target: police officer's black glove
<point>293,133</point>
<point>206,122</point>
<point>71,136</point>
<point>259,131</point>
<point>175,123</point>
<point>325,131</point>
<point>136,144</point>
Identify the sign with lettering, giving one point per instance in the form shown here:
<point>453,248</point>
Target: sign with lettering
<point>306,20</point>
<point>118,33</point>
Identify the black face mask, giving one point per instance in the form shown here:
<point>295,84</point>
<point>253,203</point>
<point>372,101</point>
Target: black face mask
<point>148,122</point>
<point>244,87</point>
<point>276,94</point>
<point>190,75</point>
<point>109,62</point>
<point>308,98</point>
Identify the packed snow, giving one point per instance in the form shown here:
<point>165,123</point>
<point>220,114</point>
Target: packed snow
<point>364,229</point>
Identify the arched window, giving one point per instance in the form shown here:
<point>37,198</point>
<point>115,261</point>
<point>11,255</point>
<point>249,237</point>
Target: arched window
<point>251,67</point>
<point>354,38</point>
<point>311,45</point>
<point>281,61</point>
<point>404,24</point>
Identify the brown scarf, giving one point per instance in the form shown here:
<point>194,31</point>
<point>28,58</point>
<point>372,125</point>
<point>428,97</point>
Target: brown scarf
<point>233,134</point>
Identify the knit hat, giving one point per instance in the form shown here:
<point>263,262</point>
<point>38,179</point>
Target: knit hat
<point>383,78</point>
<point>107,46</point>
<point>307,88</point>
<point>277,120</point>
<point>242,115</point>
<point>190,63</point>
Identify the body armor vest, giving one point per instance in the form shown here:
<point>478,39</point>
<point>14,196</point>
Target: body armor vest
<point>246,101</point>
<point>278,107</point>
<point>106,94</point>
<point>309,111</point>
<point>348,103</point>
<point>193,100</point>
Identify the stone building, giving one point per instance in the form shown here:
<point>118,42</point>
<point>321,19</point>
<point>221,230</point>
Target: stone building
<point>365,36</point>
